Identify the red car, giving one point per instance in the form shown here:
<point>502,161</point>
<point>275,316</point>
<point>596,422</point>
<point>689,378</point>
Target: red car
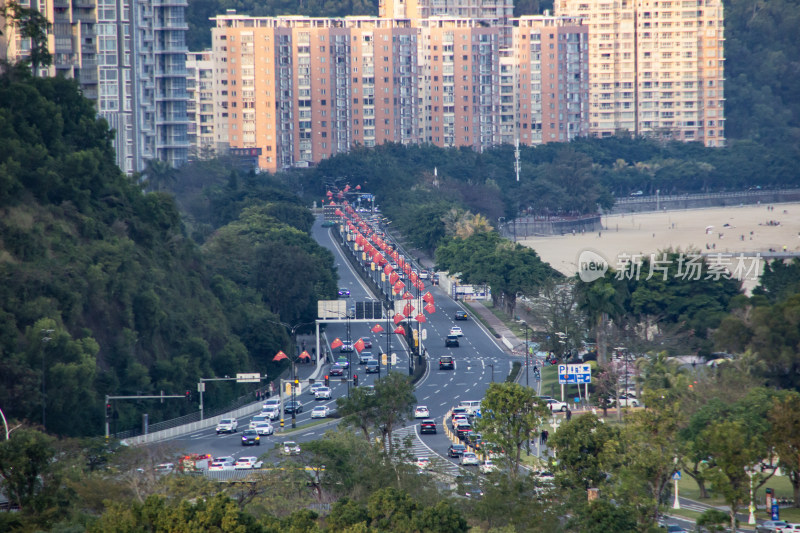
<point>337,370</point>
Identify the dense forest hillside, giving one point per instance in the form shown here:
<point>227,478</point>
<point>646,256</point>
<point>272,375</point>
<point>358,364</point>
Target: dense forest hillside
<point>101,289</point>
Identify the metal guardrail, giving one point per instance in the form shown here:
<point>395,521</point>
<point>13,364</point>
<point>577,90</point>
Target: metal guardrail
<point>186,419</point>
<point>707,196</point>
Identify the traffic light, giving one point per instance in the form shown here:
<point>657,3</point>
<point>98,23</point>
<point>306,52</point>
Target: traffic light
<point>327,380</point>
<point>188,395</point>
<point>355,380</point>
<point>108,410</point>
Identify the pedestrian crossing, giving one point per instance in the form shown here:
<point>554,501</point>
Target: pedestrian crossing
<point>420,449</point>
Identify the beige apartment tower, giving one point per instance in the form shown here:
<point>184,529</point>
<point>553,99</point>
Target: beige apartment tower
<point>460,92</point>
<point>304,89</point>
<point>551,60</point>
<point>656,67</point>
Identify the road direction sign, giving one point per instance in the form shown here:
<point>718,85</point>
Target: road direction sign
<point>574,374</point>
<point>248,378</point>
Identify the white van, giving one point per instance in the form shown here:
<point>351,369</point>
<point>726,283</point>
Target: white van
<point>472,406</point>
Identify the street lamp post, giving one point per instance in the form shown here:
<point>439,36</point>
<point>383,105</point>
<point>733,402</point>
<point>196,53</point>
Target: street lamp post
<point>676,477</point>
<point>527,353</point>
<point>293,333</point>
<point>751,471</point>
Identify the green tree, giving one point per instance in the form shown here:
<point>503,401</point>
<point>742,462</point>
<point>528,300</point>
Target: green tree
<point>31,476</point>
<point>382,410</point>
<point>587,451</point>
<point>784,418</point>
<point>601,515</point>
<point>733,451</point>
<point>510,417</point>
<point>33,25</point>
<point>158,174</point>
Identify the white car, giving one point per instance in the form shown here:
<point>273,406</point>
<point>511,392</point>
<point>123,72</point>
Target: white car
<point>264,428</point>
<point>227,425</point>
<point>290,447</point>
<point>320,411</point>
<point>273,413</point>
<point>257,420</point>
<point>487,466</point>
<point>323,393</point>
<point>555,405</point>
<point>423,463</point>
<point>272,402</point>
<point>469,458</point>
<point>312,390</point>
<point>626,400</point>
<point>422,412</point>
<point>247,463</point>
<point>456,330</point>
<point>790,527</point>
<point>222,463</point>
<point>165,468</point>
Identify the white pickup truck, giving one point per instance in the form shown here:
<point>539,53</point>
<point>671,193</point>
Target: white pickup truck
<point>227,425</point>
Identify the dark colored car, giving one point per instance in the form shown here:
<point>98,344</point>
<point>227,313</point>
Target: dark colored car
<point>427,426</point>
<point>337,370</point>
<point>328,224</point>
<point>372,367</point>
<point>456,450</point>
<point>344,293</point>
<point>367,342</point>
<point>293,407</point>
<point>461,315</point>
<point>446,362</point>
<point>463,432</point>
<point>250,437</point>
<point>475,440</point>
<point>451,340</point>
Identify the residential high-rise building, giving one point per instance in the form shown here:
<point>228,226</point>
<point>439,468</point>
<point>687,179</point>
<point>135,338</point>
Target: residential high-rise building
<point>128,56</point>
<point>495,12</point>
<point>656,67</point>
<point>200,105</point>
<point>552,61</point>
<point>303,89</point>
<point>70,40</point>
<point>461,86</point>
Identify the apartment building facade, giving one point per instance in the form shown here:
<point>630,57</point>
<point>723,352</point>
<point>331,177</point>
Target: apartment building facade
<point>303,89</point>
<point>460,90</point>
<point>656,67</point>
<point>129,57</point>
<point>551,59</point>
<point>200,104</point>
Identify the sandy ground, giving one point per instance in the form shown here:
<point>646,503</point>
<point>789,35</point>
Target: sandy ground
<point>748,230</point>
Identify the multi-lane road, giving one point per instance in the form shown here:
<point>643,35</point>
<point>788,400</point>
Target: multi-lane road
<point>479,361</point>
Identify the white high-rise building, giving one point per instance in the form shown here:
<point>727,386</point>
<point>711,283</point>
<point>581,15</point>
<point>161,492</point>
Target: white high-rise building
<point>129,57</point>
<point>656,67</point>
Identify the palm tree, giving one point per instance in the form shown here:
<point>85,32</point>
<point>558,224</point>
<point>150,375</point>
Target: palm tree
<point>158,174</point>
<point>598,300</point>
